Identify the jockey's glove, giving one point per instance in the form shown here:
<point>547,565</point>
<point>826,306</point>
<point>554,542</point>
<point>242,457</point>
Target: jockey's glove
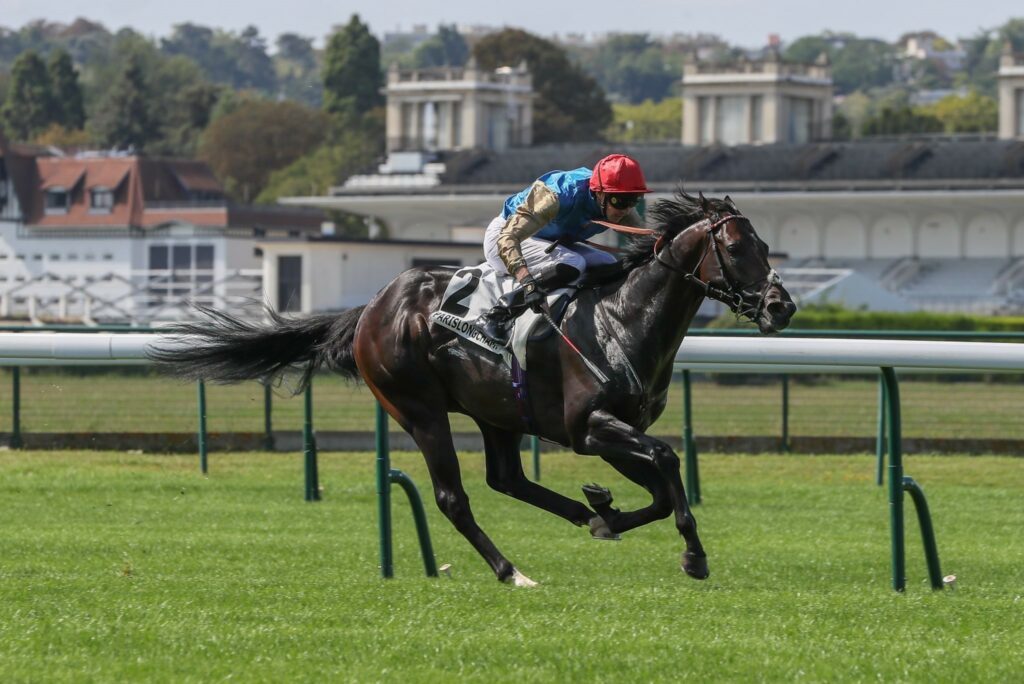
<point>533,294</point>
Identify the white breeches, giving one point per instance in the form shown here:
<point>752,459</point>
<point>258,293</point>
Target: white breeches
<point>578,255</point>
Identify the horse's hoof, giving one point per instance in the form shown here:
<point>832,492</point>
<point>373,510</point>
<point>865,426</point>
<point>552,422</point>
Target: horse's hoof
<point>597,495</point>
<point>599,530</point>
<point>518,579</point>
<point>695,566</point>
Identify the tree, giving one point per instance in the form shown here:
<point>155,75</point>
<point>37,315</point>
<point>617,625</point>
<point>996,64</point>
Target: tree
<point>973,113</point>
<point>857,63</point>
<point>899,120</point>
<point>352,75</point>
<point>124,120</point>
<point>69,109</point>
<point>648,121</point>
<point>570,105</point>
<point>29,107</point>
<point>298,73</point>
<point>446,48</point>
<point>244,147</point>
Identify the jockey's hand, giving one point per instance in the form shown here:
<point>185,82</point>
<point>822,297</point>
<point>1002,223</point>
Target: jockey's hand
<point>533,294</point>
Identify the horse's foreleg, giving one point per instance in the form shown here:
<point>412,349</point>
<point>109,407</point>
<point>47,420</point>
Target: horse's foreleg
<point>505,474</point>
<point>607,436</point>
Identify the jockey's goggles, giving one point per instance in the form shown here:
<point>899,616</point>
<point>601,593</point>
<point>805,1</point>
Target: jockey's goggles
<point>624,200</point>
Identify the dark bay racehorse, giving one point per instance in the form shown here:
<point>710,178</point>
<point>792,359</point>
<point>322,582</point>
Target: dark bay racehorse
<point>630,328</point>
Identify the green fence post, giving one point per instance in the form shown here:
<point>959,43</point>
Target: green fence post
<point>309,447</point>
<point>892,399</point>
<point>384,492</point>
<point>535,448</point>
<point>785,413</point>
<point>880,440</point>
<point>931,551</point>
<point>419,516</point>
<point>203,465</point>
<point>690,446</point>
<point>268,421</point>
<point>16,407</point>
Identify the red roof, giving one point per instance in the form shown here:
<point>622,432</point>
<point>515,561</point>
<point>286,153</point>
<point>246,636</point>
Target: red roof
<point>55,174</point>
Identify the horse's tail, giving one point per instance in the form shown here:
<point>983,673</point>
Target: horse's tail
<point>222,348</point>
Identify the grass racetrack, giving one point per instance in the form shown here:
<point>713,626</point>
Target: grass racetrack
<point>128,567</point>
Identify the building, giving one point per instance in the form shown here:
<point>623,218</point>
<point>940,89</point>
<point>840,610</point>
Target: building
<point>756,102</point>
<point>1011,95</point>
<point>117,238</point>
<point>458,108</point>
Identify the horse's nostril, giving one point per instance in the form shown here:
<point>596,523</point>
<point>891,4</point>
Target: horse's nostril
<point>779,308</point>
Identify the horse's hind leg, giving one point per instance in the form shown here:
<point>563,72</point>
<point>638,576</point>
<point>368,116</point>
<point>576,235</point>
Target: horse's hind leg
<point>432,433</point>
<point>505,474</point>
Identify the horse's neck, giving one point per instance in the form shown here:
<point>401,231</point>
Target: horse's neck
<point>650,313</point>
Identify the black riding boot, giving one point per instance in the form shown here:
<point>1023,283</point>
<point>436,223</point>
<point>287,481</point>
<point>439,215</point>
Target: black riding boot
<point>496,323</point>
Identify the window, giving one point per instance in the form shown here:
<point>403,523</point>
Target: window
<point>707,123</point>
<point>800,110</point>
<point>101,200</point>
<point>729,120</point>
<point>289,283</point>
<point>756,119</point>
<point>56,201</point>
<point>180,271</point>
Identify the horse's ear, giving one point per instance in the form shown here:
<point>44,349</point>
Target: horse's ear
<point>732,205</point>
<point>705,206</point>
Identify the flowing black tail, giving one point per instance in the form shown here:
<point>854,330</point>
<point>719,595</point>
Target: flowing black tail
<point>221,348</point>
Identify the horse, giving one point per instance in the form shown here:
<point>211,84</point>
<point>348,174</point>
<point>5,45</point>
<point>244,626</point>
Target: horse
<point>628,328</point>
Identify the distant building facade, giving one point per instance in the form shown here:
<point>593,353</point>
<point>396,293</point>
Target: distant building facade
<point>756,102</point>
<point>458,108</point>
<point>1011,95</point>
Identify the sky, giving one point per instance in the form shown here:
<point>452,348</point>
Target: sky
<point>745,23</point>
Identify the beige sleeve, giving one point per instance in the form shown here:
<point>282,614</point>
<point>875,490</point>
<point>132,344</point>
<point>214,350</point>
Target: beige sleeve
<point>538,210</point>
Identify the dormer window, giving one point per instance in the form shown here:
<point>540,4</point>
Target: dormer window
<point>101,200</point>
<point>57,200</point>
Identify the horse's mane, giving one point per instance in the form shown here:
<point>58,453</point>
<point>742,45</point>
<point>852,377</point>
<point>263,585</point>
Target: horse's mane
<point>669,218</point>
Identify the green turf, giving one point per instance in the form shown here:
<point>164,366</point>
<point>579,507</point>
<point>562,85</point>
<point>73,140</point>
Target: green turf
<point>60,402</point>
<point>118,567</point>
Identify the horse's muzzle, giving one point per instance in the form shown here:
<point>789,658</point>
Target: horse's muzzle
<point>776,314</point>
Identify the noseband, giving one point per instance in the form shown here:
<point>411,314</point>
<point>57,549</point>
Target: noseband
<point>733,295</point>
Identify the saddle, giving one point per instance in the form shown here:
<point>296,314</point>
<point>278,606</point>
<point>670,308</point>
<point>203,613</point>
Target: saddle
<point>473,291</point>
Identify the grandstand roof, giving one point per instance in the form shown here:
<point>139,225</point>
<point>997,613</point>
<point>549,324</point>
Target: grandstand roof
<point>878,164</point>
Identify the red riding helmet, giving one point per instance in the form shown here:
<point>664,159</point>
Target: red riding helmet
<point>618,173</point>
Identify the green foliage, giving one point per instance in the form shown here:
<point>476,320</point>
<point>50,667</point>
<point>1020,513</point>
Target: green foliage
<point>29,107</point>
<point>648,121</point>
<point>124,120</point>
<point>349,151</point>
<point>857,63</point>
<point>631,67</point>
<point>570,105</point>
<point>899,120</point>
<point>832,316</point>
<point>973,113</point>
<point>244,147</point>
<point>69,108</point>
<point>352,74</point>
<point>298,69</point>
<point>446,48</point>
<point>240,61</point>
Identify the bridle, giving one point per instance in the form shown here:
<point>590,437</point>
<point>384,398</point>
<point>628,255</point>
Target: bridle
<point>733,295</point>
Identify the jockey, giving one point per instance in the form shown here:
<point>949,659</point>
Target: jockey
<point>559,208</point>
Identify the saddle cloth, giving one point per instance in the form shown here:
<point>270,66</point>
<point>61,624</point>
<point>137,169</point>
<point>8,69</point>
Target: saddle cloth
<point>472,292</point>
